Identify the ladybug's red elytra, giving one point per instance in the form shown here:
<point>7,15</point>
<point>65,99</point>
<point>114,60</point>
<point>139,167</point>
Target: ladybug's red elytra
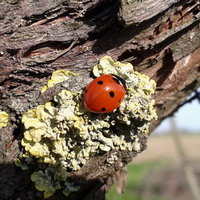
<point>104,94</point>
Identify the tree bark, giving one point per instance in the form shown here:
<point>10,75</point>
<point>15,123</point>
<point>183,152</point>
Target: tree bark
<point>160,38</point>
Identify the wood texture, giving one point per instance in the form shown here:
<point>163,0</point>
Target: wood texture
<point>160,38</point>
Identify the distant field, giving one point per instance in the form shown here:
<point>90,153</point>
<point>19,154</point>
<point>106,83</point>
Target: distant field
<point>160,156</point>
<point>135,176</point>
<point>162,147</point>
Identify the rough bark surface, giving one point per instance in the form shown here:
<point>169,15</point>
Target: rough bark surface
<point>160,38</point>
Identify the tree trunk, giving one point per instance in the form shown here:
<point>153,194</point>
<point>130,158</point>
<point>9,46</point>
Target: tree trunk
<point>160,38</point>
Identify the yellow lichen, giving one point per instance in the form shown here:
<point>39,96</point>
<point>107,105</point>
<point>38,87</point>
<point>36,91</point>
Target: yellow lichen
<point>58,77</point>
<point>22,165</point>
<point>63,135</point>
<point>49,179</point>
<point>44,182</point>
<point>4,118</point>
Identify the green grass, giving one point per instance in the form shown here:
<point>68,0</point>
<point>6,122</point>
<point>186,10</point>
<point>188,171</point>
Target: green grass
<point>135,175</point>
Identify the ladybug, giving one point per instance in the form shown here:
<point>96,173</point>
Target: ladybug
<point>104,94</point>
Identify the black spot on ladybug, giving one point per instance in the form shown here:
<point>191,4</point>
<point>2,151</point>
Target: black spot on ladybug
<point>116,80</point>
<point>112,94</point>
<point>103,109</point>
<point>100,82</point>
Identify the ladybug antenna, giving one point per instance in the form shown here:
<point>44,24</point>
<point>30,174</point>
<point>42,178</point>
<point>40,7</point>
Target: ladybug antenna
<point>119,80</point>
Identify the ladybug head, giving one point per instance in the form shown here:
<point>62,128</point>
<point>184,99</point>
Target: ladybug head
<point>119,80</point>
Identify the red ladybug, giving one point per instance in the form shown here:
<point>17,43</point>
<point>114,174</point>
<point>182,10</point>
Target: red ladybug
<point>104,94</point>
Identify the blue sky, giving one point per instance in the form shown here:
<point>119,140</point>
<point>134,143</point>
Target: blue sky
<point>187,118</point>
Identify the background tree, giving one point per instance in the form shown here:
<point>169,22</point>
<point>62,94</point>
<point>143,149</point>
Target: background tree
<point>160,38</point>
